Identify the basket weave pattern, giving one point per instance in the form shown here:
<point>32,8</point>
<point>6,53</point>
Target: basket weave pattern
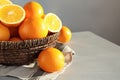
<point>24,52</point>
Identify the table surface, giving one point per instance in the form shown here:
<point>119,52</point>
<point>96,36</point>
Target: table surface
<point>96,58</point>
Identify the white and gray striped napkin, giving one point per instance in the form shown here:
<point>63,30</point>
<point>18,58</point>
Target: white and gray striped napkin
<point>32,71</point>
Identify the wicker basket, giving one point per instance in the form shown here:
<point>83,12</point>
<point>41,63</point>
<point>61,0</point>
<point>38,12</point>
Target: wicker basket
<point>24,52</point>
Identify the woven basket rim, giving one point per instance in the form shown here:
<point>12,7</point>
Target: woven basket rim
<point>30,43</point>
<point>31,39</point>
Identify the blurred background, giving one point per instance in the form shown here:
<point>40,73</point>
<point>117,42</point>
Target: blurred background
<point>101,17</point>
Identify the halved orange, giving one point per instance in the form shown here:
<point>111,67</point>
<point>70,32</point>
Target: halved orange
<point>12,14</point>
<point>4,2</point>
<point>53,22</point>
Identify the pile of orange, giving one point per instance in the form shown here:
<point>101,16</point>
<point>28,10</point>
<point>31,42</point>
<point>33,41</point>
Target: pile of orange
<point>19,23</point>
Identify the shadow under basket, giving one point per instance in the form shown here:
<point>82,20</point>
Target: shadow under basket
<point>24,52</point>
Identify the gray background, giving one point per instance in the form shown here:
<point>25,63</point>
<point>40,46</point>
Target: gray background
<point>99,16</point>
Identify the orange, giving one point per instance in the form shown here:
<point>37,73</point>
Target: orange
<point>65,34</point>
<point>32,29</point>
<point>4,2</point>
<point>12,15</point>
<point>53,22</point>
<point>33,9</point>
<point>4,33</point>
<point>51,60</point>
<point>15,39</point>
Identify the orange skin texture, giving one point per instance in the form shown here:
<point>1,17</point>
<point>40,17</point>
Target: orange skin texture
<point>51,60</point>
<point>33,29</point>
<point>33,9</point>
<point>4,33</point>
<point>65,35</point>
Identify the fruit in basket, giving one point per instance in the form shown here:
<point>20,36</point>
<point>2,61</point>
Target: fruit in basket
<point>53,22</point>
<point>29,22</point>
<point>4,2</point>
<point>33,9</point>
<point>4,33</point>
<point>65,34</point>
<point>51,60</point>
<point>33,28</point>
<point>12,15</point>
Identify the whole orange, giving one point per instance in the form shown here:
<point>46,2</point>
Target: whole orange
<point>51,60</point>
<point>33,9</point>
<point>33,29</point>
<point>4,33</point>
<point>65,34</point>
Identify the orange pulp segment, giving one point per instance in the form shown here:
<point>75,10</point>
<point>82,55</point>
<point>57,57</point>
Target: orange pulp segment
<point>4,2</point>
<point>53,22</point>
<point>12,14</point>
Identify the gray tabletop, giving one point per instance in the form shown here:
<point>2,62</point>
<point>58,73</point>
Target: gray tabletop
<point>95,59</point>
